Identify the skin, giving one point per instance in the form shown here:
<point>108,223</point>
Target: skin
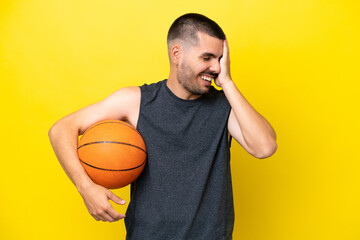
<point>187,63</point>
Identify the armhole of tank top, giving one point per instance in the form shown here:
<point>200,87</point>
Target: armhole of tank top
<point>144,89</point>
<point>229,139</point>
<point>227,127</point>
<point>139,111</point>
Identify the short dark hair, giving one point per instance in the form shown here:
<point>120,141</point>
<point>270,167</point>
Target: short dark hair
<point>187,26</point>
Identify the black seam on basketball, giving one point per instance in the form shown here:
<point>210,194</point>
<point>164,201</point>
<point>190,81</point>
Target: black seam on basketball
<point>113,170</point>
<point>127,144</point>
<point>128,125</point>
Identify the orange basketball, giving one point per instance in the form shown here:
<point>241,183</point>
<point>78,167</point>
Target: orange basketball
<point>113,153</point>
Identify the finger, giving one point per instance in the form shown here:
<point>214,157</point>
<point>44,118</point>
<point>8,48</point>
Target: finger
<point>115,199</point>
<point>102,215</point>
<point>108,218</point>
<point>224,53</point>
<point>225,49</point>
<point>115,215</point>
<point>105,217</point>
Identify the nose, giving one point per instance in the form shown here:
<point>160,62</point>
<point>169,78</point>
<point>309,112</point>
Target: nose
<point>215,67</point>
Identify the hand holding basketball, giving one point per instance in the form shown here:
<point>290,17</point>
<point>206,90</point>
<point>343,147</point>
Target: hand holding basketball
<point>113,154</point>
<point>96,199</point>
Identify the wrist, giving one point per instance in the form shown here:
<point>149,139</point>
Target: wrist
<point>228,83</point>
<point>84,184</point>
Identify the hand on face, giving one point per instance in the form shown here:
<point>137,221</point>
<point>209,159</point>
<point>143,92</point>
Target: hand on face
<point>224,75</point>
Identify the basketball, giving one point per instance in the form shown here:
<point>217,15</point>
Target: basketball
<point>112,152</point>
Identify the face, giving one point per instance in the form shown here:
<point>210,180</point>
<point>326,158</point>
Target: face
<point>200,64</point>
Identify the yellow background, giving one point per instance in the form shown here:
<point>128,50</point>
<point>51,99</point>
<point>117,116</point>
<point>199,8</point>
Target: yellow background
<point>296,62</point>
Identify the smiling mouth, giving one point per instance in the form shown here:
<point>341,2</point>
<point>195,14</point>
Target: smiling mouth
<point>206,77</point>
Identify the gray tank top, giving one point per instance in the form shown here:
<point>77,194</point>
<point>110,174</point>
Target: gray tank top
<point>185,189</point>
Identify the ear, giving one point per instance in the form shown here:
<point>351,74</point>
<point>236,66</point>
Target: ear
<point>176,53</point>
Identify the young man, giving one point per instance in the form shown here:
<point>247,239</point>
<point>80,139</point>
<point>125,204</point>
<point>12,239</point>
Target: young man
<point>185,189</point>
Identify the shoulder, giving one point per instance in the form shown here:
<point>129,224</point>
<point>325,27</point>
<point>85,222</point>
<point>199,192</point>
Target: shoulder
<point>124,104</point>
<point>152,86</point>
<point>123,95</point>
<point>127,92</point>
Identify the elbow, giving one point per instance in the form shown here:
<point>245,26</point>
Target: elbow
<point>64,126</point>
<point>56,129</point>
<point>53,130</point>
<point>268,151</point>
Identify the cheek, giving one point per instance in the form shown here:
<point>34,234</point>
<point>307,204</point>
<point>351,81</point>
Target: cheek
<point>200,67</point>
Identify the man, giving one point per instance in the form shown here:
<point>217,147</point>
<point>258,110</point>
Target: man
<point>185,190</point>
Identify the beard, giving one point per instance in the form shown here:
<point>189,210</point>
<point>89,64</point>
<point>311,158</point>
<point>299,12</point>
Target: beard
<point>188,80</point>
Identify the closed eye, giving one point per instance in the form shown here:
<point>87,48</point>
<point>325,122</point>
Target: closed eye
<point>207,56</point>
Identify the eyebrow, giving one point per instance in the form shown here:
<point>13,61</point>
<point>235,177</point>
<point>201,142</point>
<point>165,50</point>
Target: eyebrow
<point>208,54</point>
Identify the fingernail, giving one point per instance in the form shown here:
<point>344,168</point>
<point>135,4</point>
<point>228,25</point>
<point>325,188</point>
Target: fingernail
<point>122,201</point>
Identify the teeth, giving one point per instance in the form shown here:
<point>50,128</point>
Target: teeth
<point>206,78</point>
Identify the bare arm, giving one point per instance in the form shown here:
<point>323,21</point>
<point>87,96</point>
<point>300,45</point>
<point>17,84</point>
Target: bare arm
<point>248,127</point>
<point>123,105</point>
<point>245,124</point>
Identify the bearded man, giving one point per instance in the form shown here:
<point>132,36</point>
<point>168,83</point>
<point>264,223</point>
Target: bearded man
<point>185,189</point>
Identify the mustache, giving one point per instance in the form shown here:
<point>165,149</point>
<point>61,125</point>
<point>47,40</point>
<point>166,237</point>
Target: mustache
<point>212,74</point>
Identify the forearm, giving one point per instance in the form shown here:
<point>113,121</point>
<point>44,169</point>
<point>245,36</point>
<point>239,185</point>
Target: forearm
<point>63,138</point>
<point>256,130</point>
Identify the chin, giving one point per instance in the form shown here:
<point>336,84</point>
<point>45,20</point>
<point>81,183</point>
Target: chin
<point>203,91</point>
